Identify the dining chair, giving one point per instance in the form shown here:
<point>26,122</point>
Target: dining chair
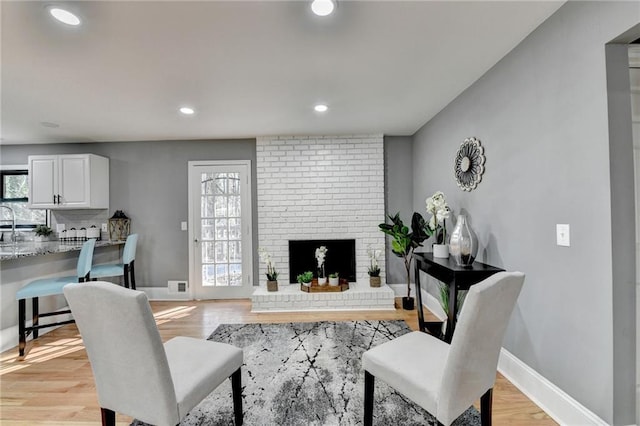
<point>446,379</point>
<point>124,269</point>
<point>135,373</point>
<point>49,287</point>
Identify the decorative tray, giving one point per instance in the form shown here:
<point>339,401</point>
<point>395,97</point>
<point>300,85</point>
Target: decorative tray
<point>315,288</point>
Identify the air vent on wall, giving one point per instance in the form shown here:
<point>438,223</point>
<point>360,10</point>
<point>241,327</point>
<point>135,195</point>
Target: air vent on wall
<point>176,287</point>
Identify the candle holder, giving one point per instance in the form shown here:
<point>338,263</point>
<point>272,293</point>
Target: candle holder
<point>119,226</point>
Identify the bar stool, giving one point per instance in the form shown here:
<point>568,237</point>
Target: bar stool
<point>49,287</point>
<point>124,269</point>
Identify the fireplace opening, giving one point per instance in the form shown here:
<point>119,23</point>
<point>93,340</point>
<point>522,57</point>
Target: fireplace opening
<point>341,258</point>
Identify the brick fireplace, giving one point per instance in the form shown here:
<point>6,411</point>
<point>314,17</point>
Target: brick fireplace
<point>320,188</point>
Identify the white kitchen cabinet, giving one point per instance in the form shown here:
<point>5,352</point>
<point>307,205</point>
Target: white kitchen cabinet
<point>74,181</point>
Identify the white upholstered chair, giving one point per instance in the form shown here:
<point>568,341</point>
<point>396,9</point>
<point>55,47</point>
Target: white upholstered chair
<point>135,373</point>
<point>446,379</point>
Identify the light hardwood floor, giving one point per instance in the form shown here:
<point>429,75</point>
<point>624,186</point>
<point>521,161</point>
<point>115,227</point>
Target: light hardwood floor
<point>53,385</point>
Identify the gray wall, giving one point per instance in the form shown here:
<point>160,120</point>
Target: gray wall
<point>542,116</point>
<point>148,181</point>
<point>398,183</point>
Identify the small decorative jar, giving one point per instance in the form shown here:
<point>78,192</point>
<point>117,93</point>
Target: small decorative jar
<point>272,285</point>
<point>441,251</point>
<point>322,278</point>
<point>463,244</point>
<point>375,281</point>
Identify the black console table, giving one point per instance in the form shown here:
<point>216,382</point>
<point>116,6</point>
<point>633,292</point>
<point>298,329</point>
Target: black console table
<point>456,277</point>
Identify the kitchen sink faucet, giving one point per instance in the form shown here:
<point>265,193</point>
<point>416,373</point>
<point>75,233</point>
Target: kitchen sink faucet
<point>13,223</point>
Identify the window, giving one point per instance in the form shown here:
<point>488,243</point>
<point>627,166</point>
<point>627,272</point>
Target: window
<point>15,194</point>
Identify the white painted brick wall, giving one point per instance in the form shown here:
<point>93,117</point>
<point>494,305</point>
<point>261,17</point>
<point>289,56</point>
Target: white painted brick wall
<point>320,187</point>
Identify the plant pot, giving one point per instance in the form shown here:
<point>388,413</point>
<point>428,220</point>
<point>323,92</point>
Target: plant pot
<point>334,281</point>
<point>307,284</point>
<point>374,281</point>
<point>408,303</point>
<point>441,251</point>
<point>272,285</point>
<point>322,281</point>
<point>40,238</point>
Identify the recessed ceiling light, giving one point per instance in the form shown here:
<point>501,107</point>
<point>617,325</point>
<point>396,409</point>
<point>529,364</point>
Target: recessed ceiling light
<point>64,16</point>
<point>187,110</point>
<point>322,7</point>
<point>321,108</point>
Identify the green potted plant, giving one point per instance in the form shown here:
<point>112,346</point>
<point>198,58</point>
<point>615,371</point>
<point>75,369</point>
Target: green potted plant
<point>42,233</point>
<point>374,268</point>
<point>272,273</point>
<point>334,278</point>
<point>305,278</point>
<point>404,242</point>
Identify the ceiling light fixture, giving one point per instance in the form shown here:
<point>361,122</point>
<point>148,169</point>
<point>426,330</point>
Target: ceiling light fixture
<point>322,7</point>
<point>64,16</point>
<point>187,110</point>
<point>321,108</point>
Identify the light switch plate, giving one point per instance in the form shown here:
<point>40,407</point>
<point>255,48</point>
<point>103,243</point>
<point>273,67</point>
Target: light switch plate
<point>183,226</point>
<point>563,234</point>
<point>104,227</point>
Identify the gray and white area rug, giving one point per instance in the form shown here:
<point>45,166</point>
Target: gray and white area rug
<point>309,374</point>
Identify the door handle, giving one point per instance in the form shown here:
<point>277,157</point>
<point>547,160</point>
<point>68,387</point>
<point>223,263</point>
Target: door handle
<point>195,240</point>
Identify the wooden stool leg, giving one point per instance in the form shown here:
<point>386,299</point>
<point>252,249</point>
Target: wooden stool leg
<point>22,338</point>
<point>369,382</point>
<point>236,387</point>
<point>132,275</point>
<point>35,316</point>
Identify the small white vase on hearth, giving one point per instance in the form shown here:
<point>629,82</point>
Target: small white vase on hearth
<point>441,251</point>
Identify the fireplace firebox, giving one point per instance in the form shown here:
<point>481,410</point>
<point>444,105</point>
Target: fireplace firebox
<point>341,258</point>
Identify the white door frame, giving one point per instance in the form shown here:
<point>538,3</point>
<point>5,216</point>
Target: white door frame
<point>248,227</point>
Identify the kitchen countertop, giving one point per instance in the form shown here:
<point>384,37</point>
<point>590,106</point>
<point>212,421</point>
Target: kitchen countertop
<point>18,250</point>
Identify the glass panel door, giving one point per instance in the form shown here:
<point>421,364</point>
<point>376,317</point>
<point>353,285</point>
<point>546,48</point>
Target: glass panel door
<point>222,230</point>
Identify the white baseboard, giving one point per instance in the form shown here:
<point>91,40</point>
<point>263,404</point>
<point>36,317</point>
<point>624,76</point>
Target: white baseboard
<point>9,335</point>
<point>554,401</point>
<point>162,293</point>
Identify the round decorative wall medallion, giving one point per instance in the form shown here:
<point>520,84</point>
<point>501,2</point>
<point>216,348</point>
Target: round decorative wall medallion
<point>468,166</point>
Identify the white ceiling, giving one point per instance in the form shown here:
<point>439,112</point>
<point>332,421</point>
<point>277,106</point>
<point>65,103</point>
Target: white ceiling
<point>248,68</point>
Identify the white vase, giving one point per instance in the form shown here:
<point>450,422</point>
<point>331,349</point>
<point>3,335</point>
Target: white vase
<point>322,281</point>
<point>334,281</point>
<point>441,251</point>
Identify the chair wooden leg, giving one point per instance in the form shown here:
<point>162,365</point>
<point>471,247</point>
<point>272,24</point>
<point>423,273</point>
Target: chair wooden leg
<point>236,387</point>
<point>35,317</point>
<point>486,401</point>
<point>126,276</point>
<point>132,275</point>
<point>108,417</point>
<point>369,382</point>
<point>22,338</point>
